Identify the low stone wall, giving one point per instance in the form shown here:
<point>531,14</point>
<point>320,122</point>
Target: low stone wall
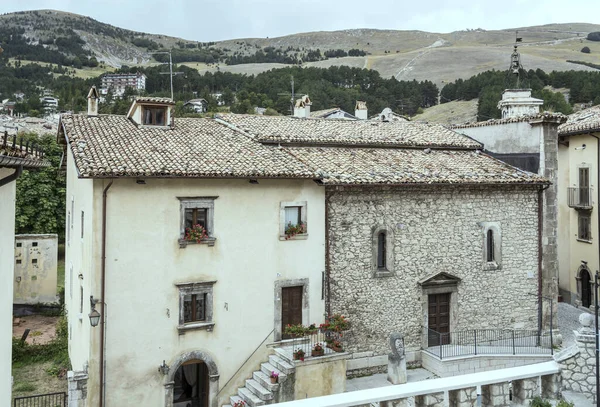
<point>320,376</point>
<point>479,363</point>
<point>578,362</point>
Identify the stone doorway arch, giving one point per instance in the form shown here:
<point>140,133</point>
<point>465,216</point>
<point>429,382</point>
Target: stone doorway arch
<point>213,375</point>
<point>585,290</point>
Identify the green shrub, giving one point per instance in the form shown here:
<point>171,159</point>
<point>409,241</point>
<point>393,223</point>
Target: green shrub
<point>25,387</point>
<point>564,403</point>
<point>539,402</point>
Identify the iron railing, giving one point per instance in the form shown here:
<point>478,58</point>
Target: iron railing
<point>329,341</point>
<point>580,197</point>
<point>488,342</point>
<point>42,400</point>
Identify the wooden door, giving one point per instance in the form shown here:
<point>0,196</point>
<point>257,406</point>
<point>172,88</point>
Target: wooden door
<point>291,307</point>
<point>439,319</point>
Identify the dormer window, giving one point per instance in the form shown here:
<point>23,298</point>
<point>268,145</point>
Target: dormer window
<point>155,116</point>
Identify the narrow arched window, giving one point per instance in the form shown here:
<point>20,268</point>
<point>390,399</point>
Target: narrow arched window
<point>490,245</point>
<point>381,251</point>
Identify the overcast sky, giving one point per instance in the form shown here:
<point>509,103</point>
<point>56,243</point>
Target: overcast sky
<point>207,20</point>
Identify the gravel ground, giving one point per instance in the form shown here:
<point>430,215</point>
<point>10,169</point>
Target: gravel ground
<point>568,321</point>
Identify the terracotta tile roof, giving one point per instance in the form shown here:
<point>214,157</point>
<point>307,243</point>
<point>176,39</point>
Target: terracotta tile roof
<point>352,166</point>
<point>496,122</point>
<point>14,153</point>
<point>321,114</point>
<point>584,121</point>
<point>111,145</point>
<point>147,99</point>
<point>294,130</point>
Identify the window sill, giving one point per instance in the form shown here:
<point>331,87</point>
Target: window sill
<point>303,236</point>
<point>584,240</point>
<point>209,241</point>
<point>381,273</point>
<point>492,265</point>
<point>206,326</point>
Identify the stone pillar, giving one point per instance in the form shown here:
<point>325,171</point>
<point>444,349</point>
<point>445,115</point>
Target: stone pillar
<point>77,388</point>
<point>463,397</point>
<point>430,400</point>
<point>583,377</point>
<point>525,390</point>
<point>495,395</point>
<point>551,386</point>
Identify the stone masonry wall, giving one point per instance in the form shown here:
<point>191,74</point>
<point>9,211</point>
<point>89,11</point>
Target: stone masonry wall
<point>435,229</point>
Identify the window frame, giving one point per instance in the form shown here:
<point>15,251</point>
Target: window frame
<point>582,215</point>
<point>388,269</point>
<point>303,218</point>
<point>202,202</point>
<point>496,256</point>
<point>153,110</point>
<point>203,288</point>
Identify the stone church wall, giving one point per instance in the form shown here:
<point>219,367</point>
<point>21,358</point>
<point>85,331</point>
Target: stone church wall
<point>433,229</point>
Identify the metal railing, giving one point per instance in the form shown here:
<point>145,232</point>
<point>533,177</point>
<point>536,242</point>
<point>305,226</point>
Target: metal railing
<point>42,400</point>
<point>488,342</point>
<point>329,341</point>
<point>580,197</point>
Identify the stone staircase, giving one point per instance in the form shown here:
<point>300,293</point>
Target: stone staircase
<point>258,390</point>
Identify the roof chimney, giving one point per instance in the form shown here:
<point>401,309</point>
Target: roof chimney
<point>360,111</point>
<point>93,102</point>
<point>302,107</point>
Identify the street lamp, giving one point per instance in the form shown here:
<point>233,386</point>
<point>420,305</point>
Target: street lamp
<point>94,315</point>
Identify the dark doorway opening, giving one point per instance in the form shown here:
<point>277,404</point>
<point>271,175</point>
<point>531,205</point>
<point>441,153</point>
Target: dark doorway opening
<point>439,319</point>
<point>586,289</point>
<point>291,307</point>
<point>190,387</point>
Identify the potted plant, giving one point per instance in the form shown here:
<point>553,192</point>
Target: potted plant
<point>274,377</point>
<point>295,331</point>
<point>299,355</point>
<point>335,323</point>
<point>336,346</point>
<point>318,350</point>
<point>239,403</point>
<point>195,234</point>
<point>292,230</point>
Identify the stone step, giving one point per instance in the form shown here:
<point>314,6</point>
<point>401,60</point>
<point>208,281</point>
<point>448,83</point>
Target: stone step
<point>281,364</point>
<point>258,389</point>
<point>267,368</point>
<point>250,398</point>
<point>234,399</point>
<point>265,380</point>
<point>285,354</point>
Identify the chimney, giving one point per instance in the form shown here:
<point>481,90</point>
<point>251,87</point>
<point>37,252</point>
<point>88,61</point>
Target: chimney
<point>360,111</point>
<point>93,98</point>
<point>302,107</point>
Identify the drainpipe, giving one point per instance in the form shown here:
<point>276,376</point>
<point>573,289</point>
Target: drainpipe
<point>327,273</point>
<point>12,177</point>
<point>102,292</point>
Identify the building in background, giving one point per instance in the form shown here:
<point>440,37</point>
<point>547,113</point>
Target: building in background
<point>118,82</point>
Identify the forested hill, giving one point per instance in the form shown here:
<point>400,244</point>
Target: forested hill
<point>77,41</point>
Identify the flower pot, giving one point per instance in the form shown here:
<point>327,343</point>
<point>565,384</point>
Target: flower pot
<point>337,348</point>
<point>298,357</point>
<point>273,380</point>
<point>318,352</point>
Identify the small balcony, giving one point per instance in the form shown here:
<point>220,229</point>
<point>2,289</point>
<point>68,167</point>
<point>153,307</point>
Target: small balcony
<point>580,198</point>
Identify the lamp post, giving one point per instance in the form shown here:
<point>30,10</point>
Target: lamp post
<point>94,314</point>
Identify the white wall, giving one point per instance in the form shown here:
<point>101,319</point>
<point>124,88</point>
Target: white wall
<point>36,258</point>
<point>7,258</point>
<point>507,138</point>
<point>78,261</point>
<point>144,261</point>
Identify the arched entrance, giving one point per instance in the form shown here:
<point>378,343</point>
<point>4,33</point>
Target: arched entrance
<point>586,288</point>
<point>192,381</point>
<point>190,385</point>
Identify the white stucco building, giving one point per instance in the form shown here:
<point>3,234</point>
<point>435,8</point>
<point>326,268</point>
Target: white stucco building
<point>184,319</point>
<point>13,159</point>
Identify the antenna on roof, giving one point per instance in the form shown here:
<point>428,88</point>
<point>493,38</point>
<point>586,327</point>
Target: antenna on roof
<point>293,95</point>
<point>171,73</point>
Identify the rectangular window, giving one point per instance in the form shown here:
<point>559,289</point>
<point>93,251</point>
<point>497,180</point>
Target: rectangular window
<point>292,224</point>
<point>584,231</point>
<point>19,244</point>
<point>584,186</point>
<point>197,211</point>
<point>34,244</point>
<point>154,116</point>
<point>18,261</point>
<point>195,306</point>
